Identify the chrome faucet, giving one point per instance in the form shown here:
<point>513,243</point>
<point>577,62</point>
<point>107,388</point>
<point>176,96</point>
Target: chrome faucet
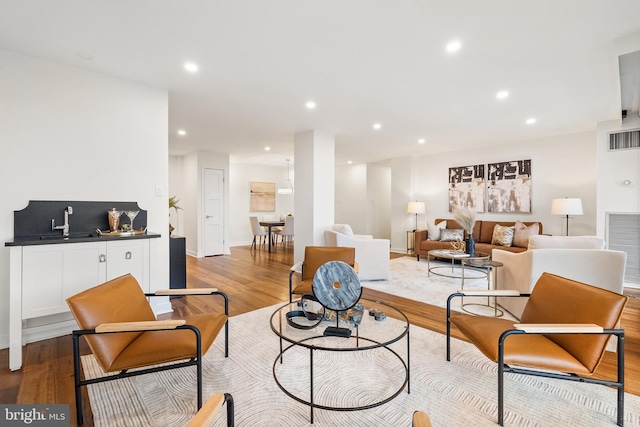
<point>65,228</point>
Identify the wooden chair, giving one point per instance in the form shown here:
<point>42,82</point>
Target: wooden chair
<point>562,334</point>
<point>122,332</point>
<point>314,257</point>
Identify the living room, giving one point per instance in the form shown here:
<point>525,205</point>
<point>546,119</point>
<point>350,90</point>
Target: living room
<point>76,131</point>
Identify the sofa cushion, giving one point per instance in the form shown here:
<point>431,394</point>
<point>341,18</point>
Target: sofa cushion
<point>434,230</point>
<point>451,235</point>
<point>342,228</point>
<point>502,235</point>
<point>523,232</point>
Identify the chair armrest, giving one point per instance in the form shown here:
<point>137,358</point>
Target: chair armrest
<point>296,267</point>
<point>154,325</point>
<point>420,419</point>
<point>490,293</point>
<point>559,328</point>
<point>191,291</point>
<point>208,412</point>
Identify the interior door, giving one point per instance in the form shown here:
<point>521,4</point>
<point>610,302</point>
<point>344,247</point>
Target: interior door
<point>213,212</point>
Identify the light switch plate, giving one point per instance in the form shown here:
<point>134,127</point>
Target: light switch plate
<point>159,191</point>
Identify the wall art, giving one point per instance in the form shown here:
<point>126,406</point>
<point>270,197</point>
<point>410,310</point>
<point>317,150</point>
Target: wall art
<point>466,187</point>
<point>263,196</point>
<point>509,187</point>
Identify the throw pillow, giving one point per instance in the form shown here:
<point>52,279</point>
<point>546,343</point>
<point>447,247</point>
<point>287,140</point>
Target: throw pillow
<point>435,229</point>
<point>522,234</point>
<point>342,228</point>
<point>502,236</point>
<point>451,235</point>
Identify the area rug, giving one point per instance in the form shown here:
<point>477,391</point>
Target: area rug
<point>410,279</point>
<point>457,393</point>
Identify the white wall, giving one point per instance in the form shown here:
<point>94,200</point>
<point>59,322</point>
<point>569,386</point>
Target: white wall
<point>70,134</point>
<point>241,175</point>
<point>351,197</point>
<point>563,165</point>
<point>613,167</point>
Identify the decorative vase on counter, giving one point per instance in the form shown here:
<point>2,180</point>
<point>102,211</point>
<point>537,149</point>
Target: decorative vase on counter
<point>471,246</point>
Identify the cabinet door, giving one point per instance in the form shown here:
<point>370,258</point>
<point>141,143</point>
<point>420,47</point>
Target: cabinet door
<point>129,256</point>
<point>52,273</point>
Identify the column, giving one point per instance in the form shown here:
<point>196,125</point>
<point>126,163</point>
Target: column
<point>314,196</point>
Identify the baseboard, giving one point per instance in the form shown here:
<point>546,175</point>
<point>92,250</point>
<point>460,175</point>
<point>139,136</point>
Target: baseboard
<point>42,332</point>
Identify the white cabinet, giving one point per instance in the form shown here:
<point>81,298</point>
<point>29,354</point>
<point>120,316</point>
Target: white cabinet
<point>52,273</point>
<point>129,256</point>
<point>42,277</point>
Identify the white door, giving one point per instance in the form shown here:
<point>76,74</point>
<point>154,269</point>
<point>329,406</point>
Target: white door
<point>213,212</point>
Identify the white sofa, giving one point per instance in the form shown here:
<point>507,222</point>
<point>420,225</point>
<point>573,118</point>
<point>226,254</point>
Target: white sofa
<point>372,255</point>
<point>581,258</point>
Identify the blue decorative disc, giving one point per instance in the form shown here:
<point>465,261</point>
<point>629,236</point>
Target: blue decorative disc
<point>336,285</point>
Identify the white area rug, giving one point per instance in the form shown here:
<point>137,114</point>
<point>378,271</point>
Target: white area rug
<point>457,393</point>
<point>409,278</point>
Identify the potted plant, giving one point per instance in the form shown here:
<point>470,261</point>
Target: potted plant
<point>466,217</point>
<point>173,203</point>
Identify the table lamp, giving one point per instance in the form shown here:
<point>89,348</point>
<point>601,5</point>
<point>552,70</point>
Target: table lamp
<point>567,206</point>
<point>415,208</point>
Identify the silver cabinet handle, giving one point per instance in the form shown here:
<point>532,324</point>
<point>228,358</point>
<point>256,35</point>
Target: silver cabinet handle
<point>209,216</point>
<point>127,255</point>
<point>102,258</point>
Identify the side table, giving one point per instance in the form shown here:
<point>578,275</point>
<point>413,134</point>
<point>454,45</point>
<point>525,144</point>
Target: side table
<point>411,241</point>
<point>177,262</point>
<point>489,266</point>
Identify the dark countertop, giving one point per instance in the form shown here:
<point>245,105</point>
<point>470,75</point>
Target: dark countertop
<point>73,238</point>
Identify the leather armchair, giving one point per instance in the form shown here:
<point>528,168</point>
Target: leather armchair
<point>314,257</point>
<point>564,330</point>
<point>122,332</point>
<point>372,255</point>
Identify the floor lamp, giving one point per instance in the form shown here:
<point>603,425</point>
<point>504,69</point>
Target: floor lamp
<point>566,206</point>
<point>415,208</point>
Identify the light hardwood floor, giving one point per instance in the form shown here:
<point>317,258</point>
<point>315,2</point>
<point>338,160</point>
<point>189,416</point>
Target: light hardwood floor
<point>252,279</point>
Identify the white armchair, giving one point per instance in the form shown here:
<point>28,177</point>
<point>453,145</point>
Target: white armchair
<point>372,255</point>
<point>581,258</point>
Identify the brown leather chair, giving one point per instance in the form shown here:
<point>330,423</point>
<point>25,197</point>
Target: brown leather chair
<point>564,329</point>
<point>122,332</point>
<point>314,257</point>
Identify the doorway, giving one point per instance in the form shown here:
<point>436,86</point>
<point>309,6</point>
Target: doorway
<point>213,207</point>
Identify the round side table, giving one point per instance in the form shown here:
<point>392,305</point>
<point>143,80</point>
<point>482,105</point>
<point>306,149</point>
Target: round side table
<point>489,266</point>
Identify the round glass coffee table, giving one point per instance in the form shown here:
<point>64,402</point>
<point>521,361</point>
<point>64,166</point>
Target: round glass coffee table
<point>368,368</point>
<point>455,271</point>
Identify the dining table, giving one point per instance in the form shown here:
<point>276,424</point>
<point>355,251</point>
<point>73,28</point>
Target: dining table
<point>270,225</point>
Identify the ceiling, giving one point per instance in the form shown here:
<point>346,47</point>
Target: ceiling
<point>361,61</point>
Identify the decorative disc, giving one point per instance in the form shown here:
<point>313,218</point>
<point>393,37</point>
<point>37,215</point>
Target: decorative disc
<point>336,285</point>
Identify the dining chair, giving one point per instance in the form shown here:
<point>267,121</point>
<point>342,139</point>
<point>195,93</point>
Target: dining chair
<point>259,233</point>
<point>286,234</point>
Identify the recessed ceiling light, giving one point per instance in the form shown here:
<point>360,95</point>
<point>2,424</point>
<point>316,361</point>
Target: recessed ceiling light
<point>267,148</point>
<point>85,55</point>
<point>349,162</point>
<point>191,67</point>
<point>377,126</point>
<point>531,121</point>
<point>502,94</point>
<point>453,46</point>
<point>310,105</point>
<point>182,132</point>
<point>421,141</point>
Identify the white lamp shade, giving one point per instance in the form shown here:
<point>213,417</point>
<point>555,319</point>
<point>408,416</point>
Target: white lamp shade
<point>566,206</point>
<point>415,207</point>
